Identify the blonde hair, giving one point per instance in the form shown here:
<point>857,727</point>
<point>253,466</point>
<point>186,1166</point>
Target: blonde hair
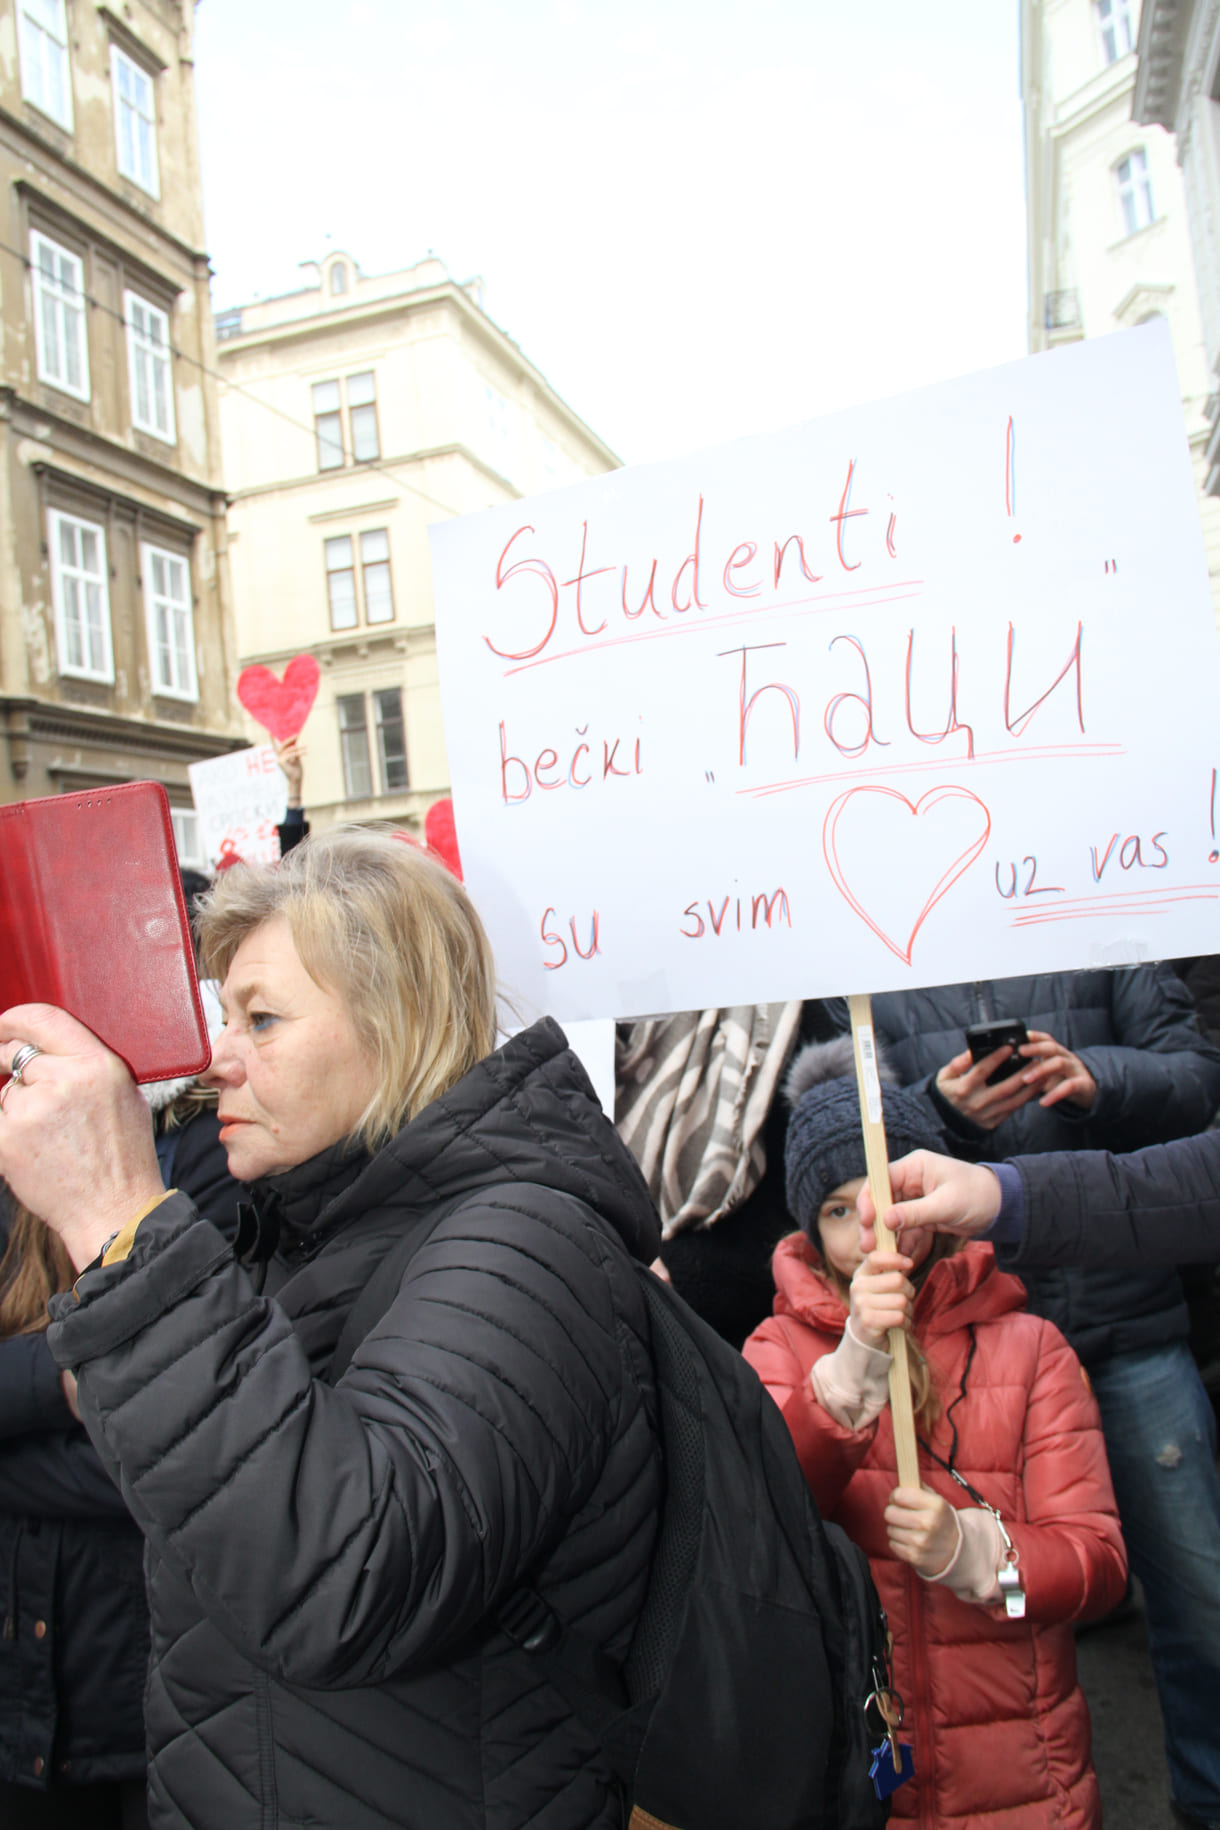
<point>393,934</point>
<point>35,1267</point>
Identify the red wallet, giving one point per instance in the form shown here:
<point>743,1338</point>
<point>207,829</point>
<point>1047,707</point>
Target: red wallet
<point>92,919</point>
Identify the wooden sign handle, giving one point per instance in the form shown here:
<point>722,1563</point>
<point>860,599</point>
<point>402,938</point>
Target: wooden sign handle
<point>868,1085</point>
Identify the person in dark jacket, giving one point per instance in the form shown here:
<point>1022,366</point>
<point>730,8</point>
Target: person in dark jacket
<point>74,1649</point>
<point>328,1565</point>
<point>1115,1059</point>
<point>1156,1206</point>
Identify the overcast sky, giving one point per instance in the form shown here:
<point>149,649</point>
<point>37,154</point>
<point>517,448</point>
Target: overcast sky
<point>697,218</point>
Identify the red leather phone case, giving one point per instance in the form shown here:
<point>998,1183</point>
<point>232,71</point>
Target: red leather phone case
<point>92,919</point>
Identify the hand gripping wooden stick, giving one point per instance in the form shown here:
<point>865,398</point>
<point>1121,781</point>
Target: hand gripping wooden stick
<point>868,1084</point>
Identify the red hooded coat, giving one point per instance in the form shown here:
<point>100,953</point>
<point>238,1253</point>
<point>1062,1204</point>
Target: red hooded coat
<point>998,1724</point>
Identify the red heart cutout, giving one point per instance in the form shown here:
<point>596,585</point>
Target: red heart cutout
<point>441,835</point>
<point>280,706</point>
<point>904,870</point>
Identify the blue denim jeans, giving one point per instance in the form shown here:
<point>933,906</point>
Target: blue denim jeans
<point>1161,1441</point>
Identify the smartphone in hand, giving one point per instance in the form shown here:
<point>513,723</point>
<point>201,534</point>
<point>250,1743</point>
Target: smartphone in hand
<point>984,1039</point>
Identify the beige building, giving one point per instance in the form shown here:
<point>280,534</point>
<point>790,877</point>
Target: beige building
<point>1178,87</point>
<point>358,410</point>
<point>116,639</point>
<point>1108,234</point>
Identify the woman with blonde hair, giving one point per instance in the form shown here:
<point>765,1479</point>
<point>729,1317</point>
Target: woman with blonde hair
<point>329,1565</point>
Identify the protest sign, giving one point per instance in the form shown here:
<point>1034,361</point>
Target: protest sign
<point>240,799</point>
<point>919,693</point>
<point>281,705</point>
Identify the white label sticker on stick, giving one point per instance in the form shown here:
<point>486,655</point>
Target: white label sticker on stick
<point>868,1066</point>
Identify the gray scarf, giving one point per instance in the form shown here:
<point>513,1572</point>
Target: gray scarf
<point>692,1096</point>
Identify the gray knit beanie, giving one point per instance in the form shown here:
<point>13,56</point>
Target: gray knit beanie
<point>825,1145</point>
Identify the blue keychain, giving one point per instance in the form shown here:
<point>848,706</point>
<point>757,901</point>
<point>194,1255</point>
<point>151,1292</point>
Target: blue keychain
<point>885,1776</point>
<point>893,1761</point>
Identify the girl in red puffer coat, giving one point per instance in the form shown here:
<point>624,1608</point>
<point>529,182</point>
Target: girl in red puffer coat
<point>1013,1476</point>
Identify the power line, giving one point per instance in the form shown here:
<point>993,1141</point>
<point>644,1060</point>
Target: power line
<point>300,425</point>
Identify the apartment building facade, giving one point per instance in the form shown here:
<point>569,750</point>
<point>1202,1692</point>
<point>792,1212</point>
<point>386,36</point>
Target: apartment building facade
<point>117,644</point>
<point>1178,88</point>
<point>359,409</point>
<point>1109,242</point>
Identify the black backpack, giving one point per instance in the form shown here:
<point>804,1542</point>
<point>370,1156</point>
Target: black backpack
<point>744,1699</point>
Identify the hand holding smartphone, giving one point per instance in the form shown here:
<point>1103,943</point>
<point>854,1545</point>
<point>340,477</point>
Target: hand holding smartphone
<point>983,1039</point>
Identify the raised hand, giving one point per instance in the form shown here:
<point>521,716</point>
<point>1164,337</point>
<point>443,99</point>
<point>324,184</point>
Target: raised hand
<point>881,1297</point>
<point>76,1138</point>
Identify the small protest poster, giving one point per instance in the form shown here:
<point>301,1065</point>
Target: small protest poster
<point>923,692</point>
<point>240,799</point>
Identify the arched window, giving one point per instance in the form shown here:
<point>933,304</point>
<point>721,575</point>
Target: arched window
<point>338,277</point>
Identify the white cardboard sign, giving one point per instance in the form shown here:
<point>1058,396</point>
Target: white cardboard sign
<point>923,692</point>
<point>240,799</point>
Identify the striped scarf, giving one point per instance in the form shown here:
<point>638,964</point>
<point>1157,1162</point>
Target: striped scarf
<point>692,1096</point>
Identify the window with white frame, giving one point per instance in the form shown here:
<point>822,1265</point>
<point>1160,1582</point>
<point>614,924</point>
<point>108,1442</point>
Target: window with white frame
<point>362,417</point>
<point>354,747</point>
<point>171,623</point>
<point>149,368</point>
<point>374,594</point>
<point>391,738</point>
<point>341,582</point>
<point>1117,30</point>
<point>363,441</point>
<point>375,576</point>
<point>80,596</point>
<point>46,78</point>
<point>135,121</point>
<point>1135,190</point>
<point>60,339</point>
<point>187,842</point>
<point>328,424</point>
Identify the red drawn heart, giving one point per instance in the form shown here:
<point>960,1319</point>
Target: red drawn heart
<point>948,875</point>
<point>440,833</point>
<point>280,706</point>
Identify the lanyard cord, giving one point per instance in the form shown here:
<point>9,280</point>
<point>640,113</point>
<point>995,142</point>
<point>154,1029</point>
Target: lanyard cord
<point>953,1474</point>
<point>939,1459</point>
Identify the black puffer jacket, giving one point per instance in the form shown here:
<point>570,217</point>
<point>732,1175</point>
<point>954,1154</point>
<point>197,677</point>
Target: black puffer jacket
<point>74,1644</point>
<point>1157,1078</point>
<point>326,1564</point>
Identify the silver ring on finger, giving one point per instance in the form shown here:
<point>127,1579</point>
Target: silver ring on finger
<point>21,1061</point>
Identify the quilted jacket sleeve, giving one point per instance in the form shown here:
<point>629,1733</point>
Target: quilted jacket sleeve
<point>1073,1562</point>
<point>1156,1206</point>
<point>336,1535</point>
<point>781,1351</point>
<point>1160,1077</point>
